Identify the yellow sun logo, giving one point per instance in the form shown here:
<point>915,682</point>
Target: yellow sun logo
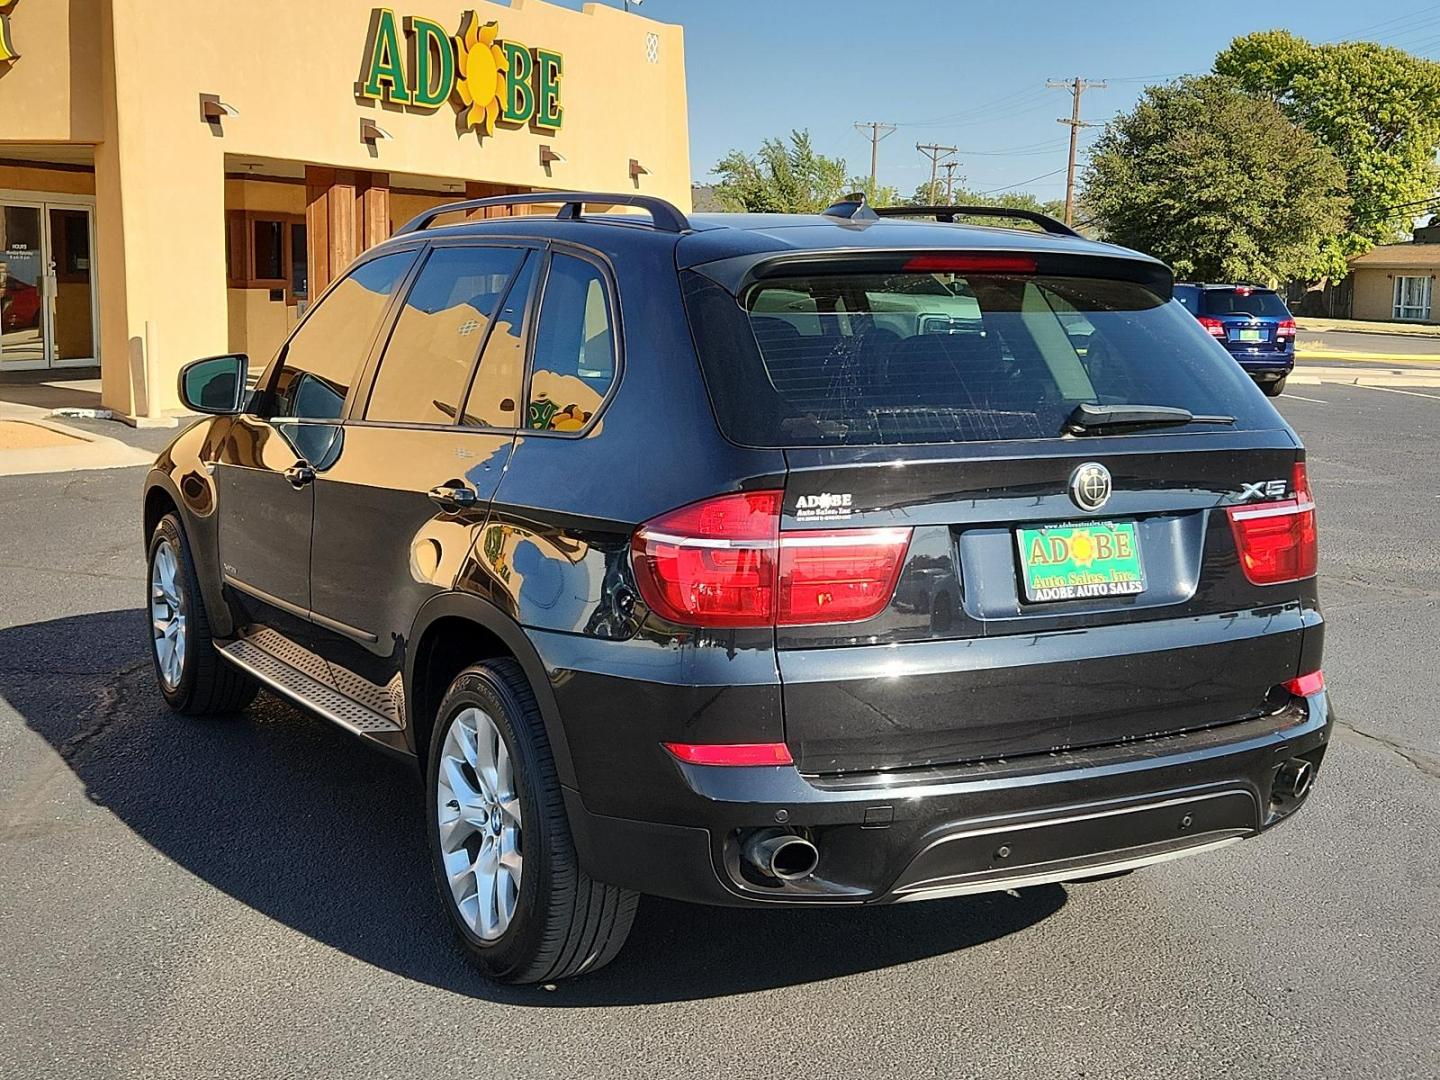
<point>481,77</point>
<point>8,51</point>
<point>1082,549</point>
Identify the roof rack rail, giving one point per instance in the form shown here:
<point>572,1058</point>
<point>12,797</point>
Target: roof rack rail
<point>666,216</point>
<point>950,213</point>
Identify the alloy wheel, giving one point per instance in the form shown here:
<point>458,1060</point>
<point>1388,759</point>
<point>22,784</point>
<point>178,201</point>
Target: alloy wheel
<point>167,614</point>
<point>479,815</point>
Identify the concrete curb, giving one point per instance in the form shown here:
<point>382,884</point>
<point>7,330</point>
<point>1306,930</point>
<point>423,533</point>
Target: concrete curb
<point>1369,357</point>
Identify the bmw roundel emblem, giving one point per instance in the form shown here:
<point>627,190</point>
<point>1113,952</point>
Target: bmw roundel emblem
<point>1090,486</point>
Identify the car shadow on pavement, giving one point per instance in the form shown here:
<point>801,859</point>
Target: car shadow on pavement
<point>308,826</point>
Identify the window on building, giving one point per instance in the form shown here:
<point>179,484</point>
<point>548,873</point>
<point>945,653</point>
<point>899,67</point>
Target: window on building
<point>268,251</point>
<point>445,319</point>
<point>321,360</point>
<point>574,347</point>
<point>1412,298</point>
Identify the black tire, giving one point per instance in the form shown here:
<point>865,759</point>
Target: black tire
<point>208,686</point>
<point>1274,389</point>
<point>565,923</point>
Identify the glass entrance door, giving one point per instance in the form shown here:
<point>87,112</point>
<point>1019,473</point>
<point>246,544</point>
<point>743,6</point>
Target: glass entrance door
<point>47,295</point>
<point>22,288</point>
<point>72,299</point>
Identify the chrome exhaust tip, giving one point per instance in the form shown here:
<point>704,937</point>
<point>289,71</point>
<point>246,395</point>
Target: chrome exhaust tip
<point>1294,778</point>
<point>784,856</point>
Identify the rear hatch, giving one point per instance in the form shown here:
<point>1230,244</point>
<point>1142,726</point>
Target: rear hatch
<point>1068,578</point>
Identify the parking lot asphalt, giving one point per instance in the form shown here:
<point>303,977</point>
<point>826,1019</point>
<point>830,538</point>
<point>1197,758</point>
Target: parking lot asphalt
<point>250,897</point>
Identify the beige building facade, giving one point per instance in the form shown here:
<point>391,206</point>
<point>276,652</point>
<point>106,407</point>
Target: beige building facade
<point>1397,282</point>
<point>181,180</point>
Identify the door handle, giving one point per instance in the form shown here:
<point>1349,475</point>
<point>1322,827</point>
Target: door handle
<point>454,496</point>
<point>299,475</point>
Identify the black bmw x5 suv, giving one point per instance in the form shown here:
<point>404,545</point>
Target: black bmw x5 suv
<point>853,558</point>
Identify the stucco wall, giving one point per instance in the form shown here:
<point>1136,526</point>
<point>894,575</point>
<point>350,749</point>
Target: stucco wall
<point>52,92</point>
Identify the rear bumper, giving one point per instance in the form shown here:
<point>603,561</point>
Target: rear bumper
<point>1266,364</point>
<point>942,832</point>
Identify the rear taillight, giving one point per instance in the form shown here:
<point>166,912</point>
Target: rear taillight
<point>725,562</point>
<point>1285,329</point>
<point>1276,540</point>
<point>1213,327</point>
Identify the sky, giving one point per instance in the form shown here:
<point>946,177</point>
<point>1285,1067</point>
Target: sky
<point>965,74</point>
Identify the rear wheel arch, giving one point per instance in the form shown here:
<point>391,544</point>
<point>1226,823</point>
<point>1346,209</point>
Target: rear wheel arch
<point>454,631</point>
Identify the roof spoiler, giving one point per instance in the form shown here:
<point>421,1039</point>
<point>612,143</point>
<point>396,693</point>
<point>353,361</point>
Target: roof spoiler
<point>665,216</point>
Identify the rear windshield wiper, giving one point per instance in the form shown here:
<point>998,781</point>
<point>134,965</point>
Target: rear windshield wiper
<point>1088,419</point>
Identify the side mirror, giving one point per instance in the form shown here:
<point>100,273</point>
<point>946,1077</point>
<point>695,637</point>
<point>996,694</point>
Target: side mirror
<point>216,384</point>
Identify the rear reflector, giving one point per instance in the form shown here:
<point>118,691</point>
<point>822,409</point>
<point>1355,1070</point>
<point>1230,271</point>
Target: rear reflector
<point>732,753</point>
<point>1306,685</point>
<point>971,264</point>
<point>1276,540</point>
<point>725,562</point>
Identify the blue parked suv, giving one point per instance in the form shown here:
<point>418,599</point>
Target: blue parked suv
<point>1252,322</point>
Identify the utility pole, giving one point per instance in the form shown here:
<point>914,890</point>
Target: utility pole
<point>936,154</point>
<point>949,168</point>
<point>876,132</point>
<point>1076,86</point>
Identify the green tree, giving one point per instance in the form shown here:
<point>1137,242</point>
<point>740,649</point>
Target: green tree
<point>1219,184</point>
<point>1377,108</point>
<point>879,195</point>
<point>781,179</point>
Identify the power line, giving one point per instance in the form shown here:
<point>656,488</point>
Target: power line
<point>878,131</point>
<point>936,153</point>
<point>1077,86</point>
<point>1022,183</point>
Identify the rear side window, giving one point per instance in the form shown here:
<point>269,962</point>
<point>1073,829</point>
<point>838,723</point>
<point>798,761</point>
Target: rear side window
<point>905,357</point>
<point>574,364</point>
<point>432,349</point>
<point>1263,302</point>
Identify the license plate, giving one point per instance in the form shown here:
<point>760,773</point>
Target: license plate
<point>1080,561</point>
<point>1247,335</point>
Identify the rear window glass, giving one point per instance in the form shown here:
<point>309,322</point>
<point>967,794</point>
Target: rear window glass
<point>885,358</point>
<point>1253,302</point>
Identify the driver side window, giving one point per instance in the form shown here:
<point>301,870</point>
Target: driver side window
<point>323,357</point>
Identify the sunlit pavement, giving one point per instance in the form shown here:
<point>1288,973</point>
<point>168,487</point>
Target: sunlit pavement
<point>250,897</point>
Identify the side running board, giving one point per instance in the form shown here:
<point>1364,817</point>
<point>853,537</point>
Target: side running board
<point>304,689</point>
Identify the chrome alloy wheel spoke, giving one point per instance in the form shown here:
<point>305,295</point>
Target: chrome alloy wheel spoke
<point>167,614</point>
<point>478,812</point>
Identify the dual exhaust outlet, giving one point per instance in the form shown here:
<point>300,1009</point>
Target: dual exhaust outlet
<point>781,855</point>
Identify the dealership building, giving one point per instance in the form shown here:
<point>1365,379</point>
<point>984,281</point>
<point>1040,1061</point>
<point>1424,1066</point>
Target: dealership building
<point>179,180</point>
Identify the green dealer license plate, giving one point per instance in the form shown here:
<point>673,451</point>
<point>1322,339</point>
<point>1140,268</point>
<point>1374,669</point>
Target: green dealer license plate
<point>1080,561</point>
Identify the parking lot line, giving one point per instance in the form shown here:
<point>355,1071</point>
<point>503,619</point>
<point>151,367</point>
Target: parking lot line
<point>1312,400</point>
<point>1394,390</point>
